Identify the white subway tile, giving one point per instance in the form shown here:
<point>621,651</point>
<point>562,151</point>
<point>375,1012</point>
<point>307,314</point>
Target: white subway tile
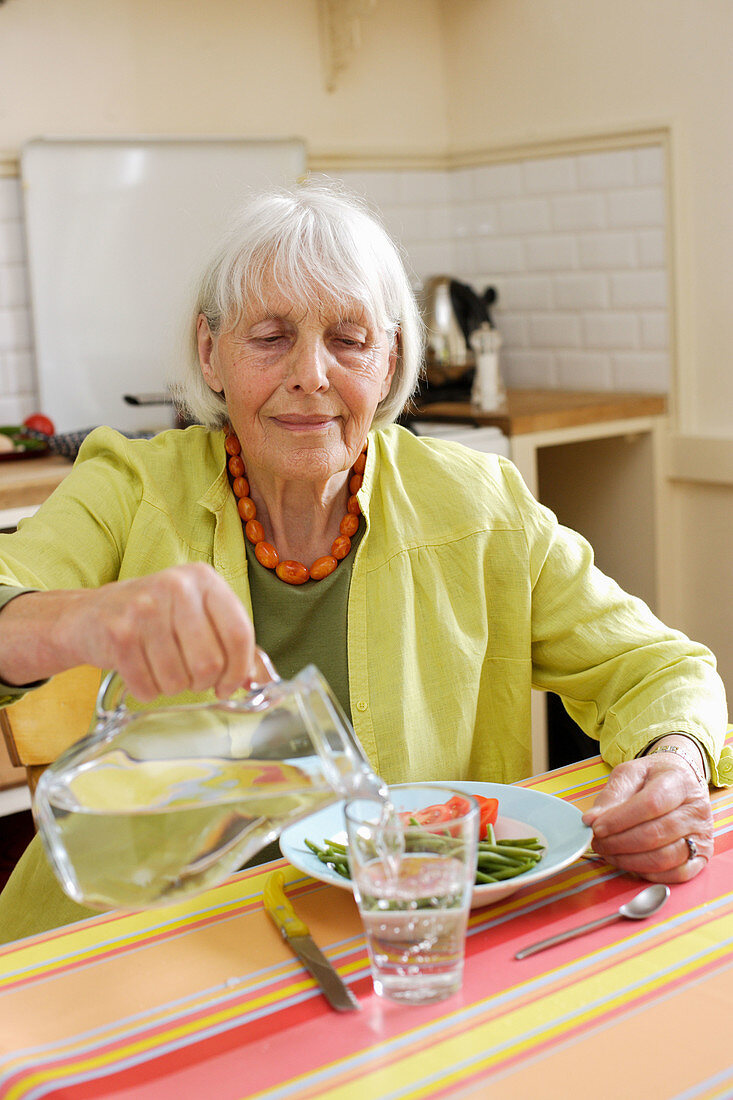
<point>10,204</point>
<point>12,243</point>
<point>645,371</point>
<point>574,212</point>
<point>13,285</point>
<point>652,247</point>
<point>527,369</point>
<point>19,372</point>
<point>639,290</point>
<point>649,163</point>
<point>549,174</point>
<point>524,216</point>
<point>601,171</point>
<point>555,330</point>
<point>15,408</point>
<point>610,330</point>
<point>464,251</point>
<point>379,187</point>
<point>476,219</point>
<point>15,329</point>
<point>432,259</point>
<point>462,184</point>
<point>607,251</point>
<point>500,255</point>
<point>526,292</point>
<point>554,252</point>
<point>429,185</point>
<point>439,222</point>
<point>494,181</point>
<point>406,223</point>
<point>655,330</point>
<point>581,291</point>
<point>583,370</point>
<point>639,206</point>
<point>514,331</point>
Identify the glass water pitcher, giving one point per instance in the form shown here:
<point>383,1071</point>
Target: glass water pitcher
<point>158,804</point>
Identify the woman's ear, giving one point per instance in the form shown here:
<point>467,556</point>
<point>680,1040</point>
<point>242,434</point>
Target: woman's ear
<point>394,351</point>
<point>207,355</point>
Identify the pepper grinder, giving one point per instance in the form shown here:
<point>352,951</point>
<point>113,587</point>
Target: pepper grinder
<point>488,392</point>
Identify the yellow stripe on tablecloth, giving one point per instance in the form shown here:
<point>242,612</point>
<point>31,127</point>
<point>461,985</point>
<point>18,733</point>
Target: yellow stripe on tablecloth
<point>572,780</point>
<point>82,942</point>
<point>529,895</point>
<point>521,1031</point>
<point>109,1058</point>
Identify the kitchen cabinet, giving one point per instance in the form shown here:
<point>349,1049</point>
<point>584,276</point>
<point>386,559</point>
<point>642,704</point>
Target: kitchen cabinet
<point>595,459</point>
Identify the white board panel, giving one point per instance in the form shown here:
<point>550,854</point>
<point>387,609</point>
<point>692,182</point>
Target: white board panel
<point>118,232</point>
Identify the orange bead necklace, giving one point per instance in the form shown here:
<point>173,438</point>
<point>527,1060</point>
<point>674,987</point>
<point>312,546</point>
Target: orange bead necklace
<point>292,572</point>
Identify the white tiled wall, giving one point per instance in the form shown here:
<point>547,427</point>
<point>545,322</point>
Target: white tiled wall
<point>575,246</point>
<point>17,378</point>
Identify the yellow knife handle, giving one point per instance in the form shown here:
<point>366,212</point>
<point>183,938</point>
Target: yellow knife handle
<point>279,908</point>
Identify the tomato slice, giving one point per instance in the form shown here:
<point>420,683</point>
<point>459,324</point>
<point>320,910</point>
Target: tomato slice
<point>457,806</point>
<point>444,812</point>
<point>430,815</point>
<point>489,811</point>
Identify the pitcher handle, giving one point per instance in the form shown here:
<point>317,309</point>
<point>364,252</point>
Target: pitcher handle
<point>111,704</point>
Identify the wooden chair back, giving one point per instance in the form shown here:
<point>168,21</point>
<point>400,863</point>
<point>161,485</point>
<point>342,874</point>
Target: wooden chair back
<point>42,724</point>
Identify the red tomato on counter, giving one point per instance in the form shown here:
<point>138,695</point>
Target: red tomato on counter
<point>40,423</point>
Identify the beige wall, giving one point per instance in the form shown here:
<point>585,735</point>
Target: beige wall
<point>540,71</point>
<point>244,67</point>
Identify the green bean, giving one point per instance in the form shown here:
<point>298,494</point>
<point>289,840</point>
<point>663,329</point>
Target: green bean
<point>496,861</point>
<point>508,852</point>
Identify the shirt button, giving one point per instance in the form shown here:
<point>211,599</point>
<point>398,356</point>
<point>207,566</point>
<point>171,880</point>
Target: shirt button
<point>361,705</point>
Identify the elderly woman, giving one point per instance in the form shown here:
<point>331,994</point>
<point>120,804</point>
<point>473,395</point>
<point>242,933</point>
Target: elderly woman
<point>422,578</point>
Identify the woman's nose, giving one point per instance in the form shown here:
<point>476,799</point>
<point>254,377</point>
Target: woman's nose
<point>309,366</point>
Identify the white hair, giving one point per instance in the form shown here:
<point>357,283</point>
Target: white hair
<point>318,243</point>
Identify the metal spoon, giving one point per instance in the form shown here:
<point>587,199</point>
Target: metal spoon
<point>644,904</point>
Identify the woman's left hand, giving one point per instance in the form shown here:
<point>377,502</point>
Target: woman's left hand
<point>642,818</point>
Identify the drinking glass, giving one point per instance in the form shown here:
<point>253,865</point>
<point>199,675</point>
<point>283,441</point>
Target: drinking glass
<point>413,884</point>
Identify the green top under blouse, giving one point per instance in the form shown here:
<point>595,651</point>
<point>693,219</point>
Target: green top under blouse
<point>297,625</point>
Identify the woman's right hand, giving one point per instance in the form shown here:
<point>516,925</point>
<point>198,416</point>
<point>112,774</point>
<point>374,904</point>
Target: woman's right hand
<point>177,630</point>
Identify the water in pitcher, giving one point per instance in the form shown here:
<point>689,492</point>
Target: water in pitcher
<point>143,847</point>
<point>160,804</point>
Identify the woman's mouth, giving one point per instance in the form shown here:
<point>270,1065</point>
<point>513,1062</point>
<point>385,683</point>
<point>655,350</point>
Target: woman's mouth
<point>298,423</point>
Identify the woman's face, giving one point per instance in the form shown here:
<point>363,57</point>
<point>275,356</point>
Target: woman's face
<point>301,384</point>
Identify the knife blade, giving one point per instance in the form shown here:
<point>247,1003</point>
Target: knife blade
<point>296,935</point>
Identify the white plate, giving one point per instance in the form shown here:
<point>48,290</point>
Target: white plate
<point>522,812</point>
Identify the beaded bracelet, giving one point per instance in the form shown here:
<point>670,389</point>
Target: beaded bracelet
<point>681,753</point>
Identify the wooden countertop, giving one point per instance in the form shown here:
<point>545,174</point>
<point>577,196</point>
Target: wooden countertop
<point>30,480</point>
<point>546,410</point>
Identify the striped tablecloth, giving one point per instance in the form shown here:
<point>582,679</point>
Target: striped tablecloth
<point>204,999</point>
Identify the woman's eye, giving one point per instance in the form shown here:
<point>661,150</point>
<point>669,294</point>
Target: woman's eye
<point>270,338</point>
<point>349,341</point>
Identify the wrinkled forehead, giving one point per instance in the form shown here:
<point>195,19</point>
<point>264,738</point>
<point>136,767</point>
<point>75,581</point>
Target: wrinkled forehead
<point>330,310</point>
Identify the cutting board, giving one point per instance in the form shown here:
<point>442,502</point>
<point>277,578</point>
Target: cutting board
<point>118,231</point>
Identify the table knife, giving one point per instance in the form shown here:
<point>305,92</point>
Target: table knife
<point>296,935</point>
